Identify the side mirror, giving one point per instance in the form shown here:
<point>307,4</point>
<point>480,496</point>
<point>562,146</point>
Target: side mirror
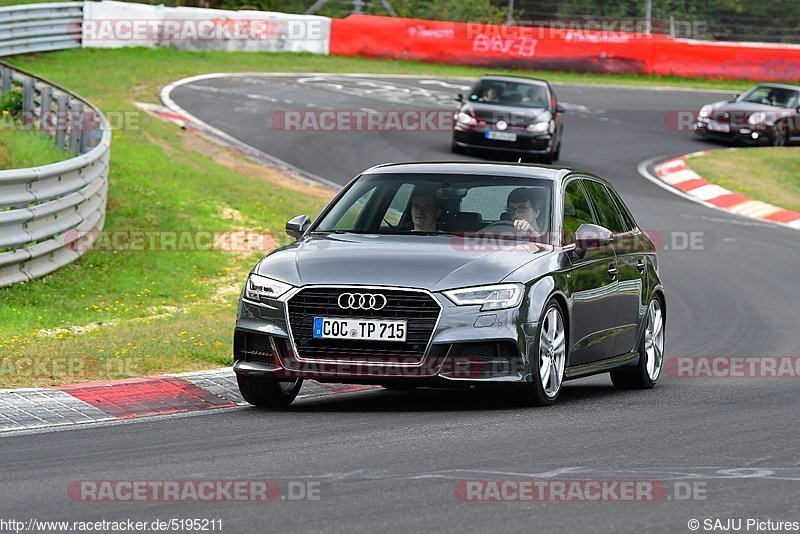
<point>736,96</point>
<point>459,97</point>
<point>297,226</point>
<point>590,236</point>
<point>560,108</point>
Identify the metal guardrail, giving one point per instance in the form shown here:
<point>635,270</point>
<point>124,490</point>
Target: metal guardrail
<point>50,215</point>
<point>40,27</point>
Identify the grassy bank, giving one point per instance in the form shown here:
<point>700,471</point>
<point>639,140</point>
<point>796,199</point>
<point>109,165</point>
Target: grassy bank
<point>768,174</point>
<point>23,148</point>
<point>117,313</point>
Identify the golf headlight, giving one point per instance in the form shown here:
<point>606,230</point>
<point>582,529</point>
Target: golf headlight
<point>260,287</point>
<point>757,118</point>
<point>497,297</point>
<point>706,110</point>
<point>539,127</point>
<point>465,118</point>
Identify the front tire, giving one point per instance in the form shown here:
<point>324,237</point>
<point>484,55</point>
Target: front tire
<point>268,392</point>
<point>550,360</point>
<point>455,149</point>
<point>780,136</point>
<point>651,353</point>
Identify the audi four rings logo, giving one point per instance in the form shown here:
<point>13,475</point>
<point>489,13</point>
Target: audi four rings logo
<point>362,301</point>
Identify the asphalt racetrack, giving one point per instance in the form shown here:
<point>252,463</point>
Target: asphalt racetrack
<point>390,461</point>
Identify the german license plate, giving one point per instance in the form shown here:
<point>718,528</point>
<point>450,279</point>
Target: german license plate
<point>359,329</point>
<point>501,136</point>
<point>719,126</point>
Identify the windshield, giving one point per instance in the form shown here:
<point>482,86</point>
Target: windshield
<point>432,204</point>
<point>510,93</point>
<point>771,96</point>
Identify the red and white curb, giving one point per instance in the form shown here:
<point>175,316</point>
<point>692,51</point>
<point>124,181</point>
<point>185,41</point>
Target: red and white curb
<point>677,174</point>
<point>96,402</point>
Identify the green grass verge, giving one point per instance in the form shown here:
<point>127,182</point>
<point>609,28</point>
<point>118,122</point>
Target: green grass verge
<point>128,68</point>
<point>135,313</point>
<point>768,174</point>
<point>25,148</point>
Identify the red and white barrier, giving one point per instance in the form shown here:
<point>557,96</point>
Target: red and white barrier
<point>560,49</point>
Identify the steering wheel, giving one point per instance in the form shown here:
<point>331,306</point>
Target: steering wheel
<point>498,226</point>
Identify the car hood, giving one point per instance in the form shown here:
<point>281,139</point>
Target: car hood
<point>514,116</point>
<point>743,108</point>
<point>428,262</point>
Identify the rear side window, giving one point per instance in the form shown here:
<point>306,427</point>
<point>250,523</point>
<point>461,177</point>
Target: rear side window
<point>604,207</point>
<point>627,218</point>
<point>576,210</point>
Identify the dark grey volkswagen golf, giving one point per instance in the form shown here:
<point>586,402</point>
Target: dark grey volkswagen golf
<point>510,276</point>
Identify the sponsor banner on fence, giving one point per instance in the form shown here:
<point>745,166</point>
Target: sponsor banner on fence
<point>588,48</point>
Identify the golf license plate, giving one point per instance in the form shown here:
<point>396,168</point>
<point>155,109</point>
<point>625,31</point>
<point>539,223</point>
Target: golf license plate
<point>502,136</point>
<point>719,126</point>
<point>359,329</point>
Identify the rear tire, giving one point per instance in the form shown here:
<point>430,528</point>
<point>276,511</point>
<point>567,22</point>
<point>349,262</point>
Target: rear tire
<point>651,353</point>
<point>557,153</point>
<point>268,392</point>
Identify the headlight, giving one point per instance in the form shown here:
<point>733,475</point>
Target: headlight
<point>465,118</point>
<point>706,110</point>
<point>497,297</point>
<point>758,118</point>
<point>260,287</point>
<point>539,127</point>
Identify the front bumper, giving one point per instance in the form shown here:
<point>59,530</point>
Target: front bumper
<point>526,142</point>
<point>737,135</point>
<point>466,345</point>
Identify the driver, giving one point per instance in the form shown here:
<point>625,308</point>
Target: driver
<point>490,94</point>
<point>424,211</point>
<point>535,97</point>
<point>524,207</point>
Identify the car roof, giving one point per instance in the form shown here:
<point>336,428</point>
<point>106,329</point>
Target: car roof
<point>533,81</point>
<point>547,172</point>
<point>779,85</point>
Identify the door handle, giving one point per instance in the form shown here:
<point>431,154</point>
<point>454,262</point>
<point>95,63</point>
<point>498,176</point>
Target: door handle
<point>612,271</point>
<point>641,265</point>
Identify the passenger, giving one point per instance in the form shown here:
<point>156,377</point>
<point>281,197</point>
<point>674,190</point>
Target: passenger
<point>535,97</point>
<point>424,211</point>
<point>524,206</point>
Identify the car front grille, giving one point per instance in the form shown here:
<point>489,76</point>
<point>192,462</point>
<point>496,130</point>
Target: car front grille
<point>419,309</point>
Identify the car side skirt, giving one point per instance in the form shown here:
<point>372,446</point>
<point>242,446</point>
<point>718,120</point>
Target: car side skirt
<point>602,366</point>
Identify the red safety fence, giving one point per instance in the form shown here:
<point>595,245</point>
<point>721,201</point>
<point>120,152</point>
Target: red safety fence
<point>583,50</point>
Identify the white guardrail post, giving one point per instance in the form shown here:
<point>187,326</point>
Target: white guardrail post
<point>50,215</point>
